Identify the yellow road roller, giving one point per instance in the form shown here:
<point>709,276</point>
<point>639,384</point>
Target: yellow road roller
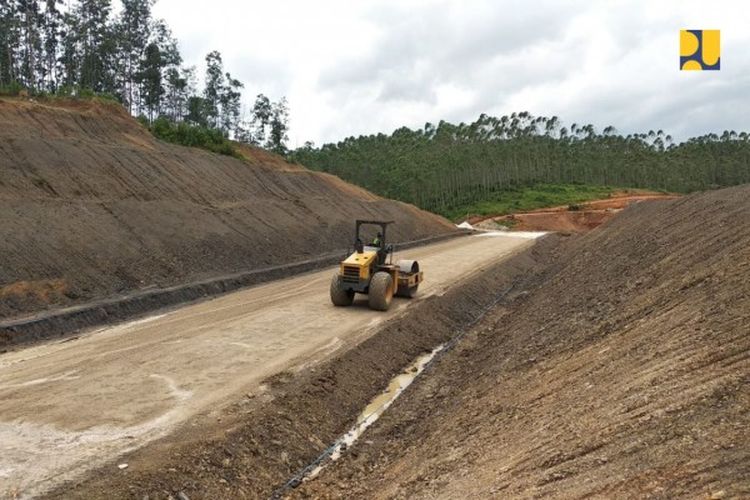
<point>370,270</point>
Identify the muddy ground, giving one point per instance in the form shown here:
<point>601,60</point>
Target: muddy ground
<point>623,373</point>
<point>92,206</point>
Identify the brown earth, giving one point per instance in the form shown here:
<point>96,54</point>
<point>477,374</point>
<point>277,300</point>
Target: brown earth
<point>251,442</point>
<point>616,364</point>
<point>623,371</point>
<point>613,365</point>
<point>93,203</point>
<point>585,216</point>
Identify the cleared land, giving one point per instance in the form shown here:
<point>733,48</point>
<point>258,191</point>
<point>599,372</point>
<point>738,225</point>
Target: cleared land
<point>112,390</point>
<point>576,217</point>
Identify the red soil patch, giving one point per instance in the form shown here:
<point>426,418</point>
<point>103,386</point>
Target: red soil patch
<point>40,293</point>
<point>586,217</point>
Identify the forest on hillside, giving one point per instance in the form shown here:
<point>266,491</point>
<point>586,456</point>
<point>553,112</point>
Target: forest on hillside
<point>83,48</point>
<point>445,167</point>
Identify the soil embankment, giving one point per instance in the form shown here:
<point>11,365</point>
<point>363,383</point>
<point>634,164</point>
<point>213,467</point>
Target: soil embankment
<point>94,207</point>
<point>623,372</point>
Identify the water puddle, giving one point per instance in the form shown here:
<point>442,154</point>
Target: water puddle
<point>375,409</point>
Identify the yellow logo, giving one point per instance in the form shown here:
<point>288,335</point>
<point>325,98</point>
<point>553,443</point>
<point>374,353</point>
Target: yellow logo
<point>700,50</point>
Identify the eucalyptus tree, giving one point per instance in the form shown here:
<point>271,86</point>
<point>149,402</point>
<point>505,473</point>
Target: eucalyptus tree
<point>97,45</point>
<point>52,28</point>
<point>214,88</point>
<point>10,39</point>
<point>150,80</point>
<point>231,105</point>
<point>445,165</point>
<point>133,30</point>
<point>262,112</point>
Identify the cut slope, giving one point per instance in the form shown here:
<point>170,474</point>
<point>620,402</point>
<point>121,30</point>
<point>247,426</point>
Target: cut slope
<point>93,205</point>
<point>620,370</point>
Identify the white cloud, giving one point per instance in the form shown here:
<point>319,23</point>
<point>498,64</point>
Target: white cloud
<point>354,67</point>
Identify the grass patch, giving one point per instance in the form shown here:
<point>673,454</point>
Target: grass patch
<point>12,90</point>
<point>532,198</point>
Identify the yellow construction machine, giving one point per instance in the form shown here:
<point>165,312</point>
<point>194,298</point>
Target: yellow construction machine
<point>370,270</point>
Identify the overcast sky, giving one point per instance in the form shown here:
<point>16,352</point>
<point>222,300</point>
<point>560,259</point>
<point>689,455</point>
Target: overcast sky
<point>364,66</point>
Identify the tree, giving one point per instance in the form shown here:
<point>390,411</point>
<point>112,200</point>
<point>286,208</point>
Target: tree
<point>69,60</point>
<point>97,45</point>
<point>9,40</point>
<point>455,166</point>
<point>52,24</point>
<point>196,111</point>
<point>214,88</point>
<point>150,81</point>
<point>31,45</point>
<point>262,112</point>
<point>244,131</point>
<point>85,47</point>
<point>170,50</point>
<point>171,59</point>
<point>133,30</point>
<point>231,104</point>
<point>176,93</point>
<point>279,126</point>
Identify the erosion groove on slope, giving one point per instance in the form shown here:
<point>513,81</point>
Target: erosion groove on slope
<point>262,440</point>
<point>93,206</point>
<point>622,373</point>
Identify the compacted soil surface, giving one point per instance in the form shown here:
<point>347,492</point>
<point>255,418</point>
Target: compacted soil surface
<point>92,206</point>
<point>621,371</point>
<point>72,405</point>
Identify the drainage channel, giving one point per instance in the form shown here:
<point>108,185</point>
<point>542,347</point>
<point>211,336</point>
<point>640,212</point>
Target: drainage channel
<point>380,403</point>
<point>375,408</point>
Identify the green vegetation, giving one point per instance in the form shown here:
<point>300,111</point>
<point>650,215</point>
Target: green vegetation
<point>10,89</point>
<point>449,168</point>
<point>193,136</point>
<point>87,48</point>
<point>531,198</point>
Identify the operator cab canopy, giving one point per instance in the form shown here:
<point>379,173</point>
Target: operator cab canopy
<point>361,246</point>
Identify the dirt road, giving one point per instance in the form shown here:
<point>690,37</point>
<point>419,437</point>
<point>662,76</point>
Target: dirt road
<point>114,389</point>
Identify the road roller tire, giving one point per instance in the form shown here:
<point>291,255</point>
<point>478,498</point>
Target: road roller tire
<point>381,291</point>
<point>409,293</point>
<point>340,296</point>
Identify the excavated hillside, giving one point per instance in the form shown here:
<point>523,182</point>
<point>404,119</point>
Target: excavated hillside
<point>93,206</point>
<point>620,369</point>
